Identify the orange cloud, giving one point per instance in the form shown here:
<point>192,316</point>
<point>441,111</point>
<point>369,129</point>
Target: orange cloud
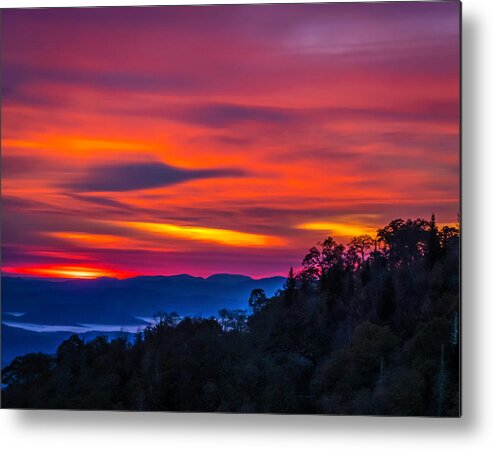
<point>88,240</point>
<point>219,236</point>
<point>338,229</point>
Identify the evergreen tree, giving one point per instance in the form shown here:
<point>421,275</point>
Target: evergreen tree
<point>290,288</point>
<point>433,250</point>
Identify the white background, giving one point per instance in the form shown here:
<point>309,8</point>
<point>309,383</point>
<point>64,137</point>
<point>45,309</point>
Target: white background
<point>91,430</point>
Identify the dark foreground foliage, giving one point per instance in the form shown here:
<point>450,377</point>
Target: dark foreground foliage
<point>371,328</point>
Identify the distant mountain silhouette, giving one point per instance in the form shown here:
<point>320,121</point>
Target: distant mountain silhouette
<point>113,301</point>
<point>228,278</point>
<point>110,302</point>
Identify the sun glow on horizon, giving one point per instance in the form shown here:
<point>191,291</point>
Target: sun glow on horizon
<point>70,272</point>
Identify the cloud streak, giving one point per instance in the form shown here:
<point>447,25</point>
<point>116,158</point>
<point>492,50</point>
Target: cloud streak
<point>138,176</point>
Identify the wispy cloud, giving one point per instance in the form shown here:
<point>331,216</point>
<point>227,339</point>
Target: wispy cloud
<point>137,176</point>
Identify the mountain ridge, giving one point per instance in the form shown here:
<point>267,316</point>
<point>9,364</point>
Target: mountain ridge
<point>119,301</point>
<point>142,276</point>
<point>47,304</point>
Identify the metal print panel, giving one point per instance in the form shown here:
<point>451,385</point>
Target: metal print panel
<point>237,208</point>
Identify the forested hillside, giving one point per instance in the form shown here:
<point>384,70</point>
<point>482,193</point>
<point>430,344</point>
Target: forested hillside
<point>367,328</point>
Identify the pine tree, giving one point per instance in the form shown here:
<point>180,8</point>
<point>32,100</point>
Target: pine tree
<point>433,247</point>
<point>290,288</point>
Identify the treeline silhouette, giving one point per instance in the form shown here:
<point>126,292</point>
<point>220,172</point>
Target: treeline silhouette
<point>367,328</point>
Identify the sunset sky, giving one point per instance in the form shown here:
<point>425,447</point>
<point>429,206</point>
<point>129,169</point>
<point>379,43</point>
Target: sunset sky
<point>221,139</point>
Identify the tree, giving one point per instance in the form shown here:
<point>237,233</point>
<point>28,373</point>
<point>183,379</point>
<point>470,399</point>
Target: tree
<point>361,245</point>
<point>404,241</point>
<point>449,241</point>
<point>257,300</point>
<point>233,320</point>
<point>332,254</point>
<point>27,369</point>
<point>290,288</point>
<point>311,266</point>
<point>448,234</point>
<point>433,250</point>
<point>352,258</point>
<point>166,318</point>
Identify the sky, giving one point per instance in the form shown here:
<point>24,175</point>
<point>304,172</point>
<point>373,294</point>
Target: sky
<point>221,139</point>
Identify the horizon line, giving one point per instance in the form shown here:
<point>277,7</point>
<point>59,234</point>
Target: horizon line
<point>59,279</point>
